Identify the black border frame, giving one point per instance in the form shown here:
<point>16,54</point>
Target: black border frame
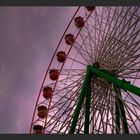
<point>69,3</point>
<point>70,136</point>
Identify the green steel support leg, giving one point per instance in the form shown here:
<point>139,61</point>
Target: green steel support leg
<point>79,104</point>
<point>117,115</point>
<point>122,111</point>
<point>87,110</point>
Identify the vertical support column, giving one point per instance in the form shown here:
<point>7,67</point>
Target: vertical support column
<point>121,113</point>
<point>87,109</point>
<point>117,109</point>
<point>79,104</point>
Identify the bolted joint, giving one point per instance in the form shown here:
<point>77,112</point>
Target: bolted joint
<point>96,65</point>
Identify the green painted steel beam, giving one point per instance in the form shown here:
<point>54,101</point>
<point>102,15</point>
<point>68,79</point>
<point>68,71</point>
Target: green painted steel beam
<point>120,83</point>
<point>117,112</point>
<point>87,109</point>
<point>79,104</point>
<point>120,112</point>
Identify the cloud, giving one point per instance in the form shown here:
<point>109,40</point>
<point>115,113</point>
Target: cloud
<point>28,37</point>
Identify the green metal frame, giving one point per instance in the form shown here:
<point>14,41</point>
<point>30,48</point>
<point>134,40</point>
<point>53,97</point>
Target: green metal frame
<point>82,96</point>
<point>120,83</point>
<point>87,109</point>
<point>86,93</point>
<point>120,112</point>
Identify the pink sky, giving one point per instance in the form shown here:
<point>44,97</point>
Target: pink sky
<point>29,36</point>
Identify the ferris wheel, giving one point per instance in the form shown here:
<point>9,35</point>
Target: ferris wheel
<point>92,82</point>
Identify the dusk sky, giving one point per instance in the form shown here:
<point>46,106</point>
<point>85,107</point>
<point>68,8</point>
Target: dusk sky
<point>28,38</point>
